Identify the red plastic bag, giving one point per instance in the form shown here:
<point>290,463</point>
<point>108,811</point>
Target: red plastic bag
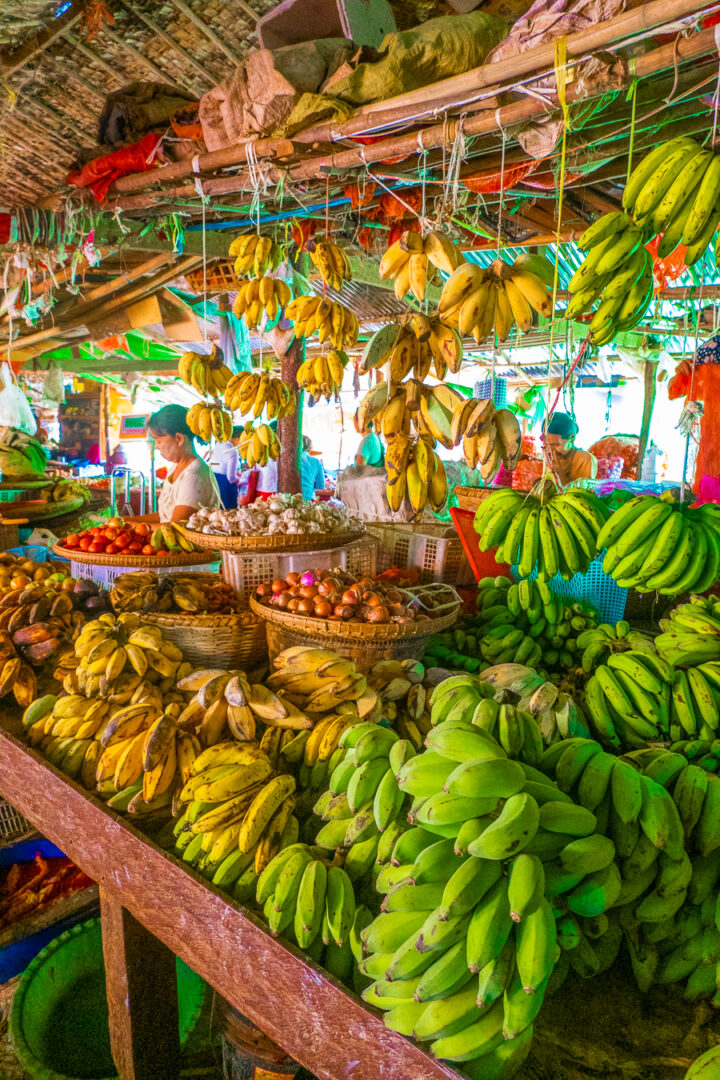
<point>100,173</point>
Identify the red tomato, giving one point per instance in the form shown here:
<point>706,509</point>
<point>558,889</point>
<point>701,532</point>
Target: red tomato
<point>97,530</point>
<point>97,547</point>
<point>134,548</point>
<point>110,534</point>
<point>143,529</point>
<point>84,544</point>
<point>122,540</point>
<point>116,522</point>
<point>112,549</point>
<point>72,540</point>
<point>148,549</point>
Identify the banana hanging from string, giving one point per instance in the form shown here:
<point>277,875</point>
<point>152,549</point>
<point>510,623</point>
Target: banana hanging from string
<point>395,408</point>
<point>482,302</point>
<point>332,262</point>
<point>206,373</point>
<point>329,319</point>
<point>260,296</point>
<point>415,471</point>
<point>322,376</point>
<point>208,422</point>
<point>253,391</point>
<point>413,261</point>
<point>490,437</point>
<point>255,255</point>
<point>258,445</point>
<point>418,344</point>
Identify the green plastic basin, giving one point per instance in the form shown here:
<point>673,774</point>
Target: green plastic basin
<point>59,1021</point>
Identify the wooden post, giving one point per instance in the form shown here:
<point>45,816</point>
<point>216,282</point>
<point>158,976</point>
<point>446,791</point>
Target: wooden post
<point>648,405</point>
<point>141,979</point>
<point>290,427</point>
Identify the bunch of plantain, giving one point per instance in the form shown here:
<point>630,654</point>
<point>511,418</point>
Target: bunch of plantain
<point>690,635</point>
<point>332,262</point>
<point>205,372</point>
<point>394,409</point>
<point>414,471</point>
<point>253,391</point>
<point>416,345</point>
<point>329,319</point>
<point>209,422</point>
<point>171,537</point>
<point>260,296</point>
<point>413,261</point>
<point>254,254</point>
<point>258,444</point>
<point>192,592</point>
<point>322,375</point>
<point>490,437</point>
<point>481,301</point>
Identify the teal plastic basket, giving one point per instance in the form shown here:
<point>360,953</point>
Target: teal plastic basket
<point>595,588</point>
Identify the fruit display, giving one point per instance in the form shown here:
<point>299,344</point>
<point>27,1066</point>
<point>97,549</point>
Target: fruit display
<point>490,437</point>
<point>553,533</point>
<point>124,536</point>
<point>322,376</point>
<point>260,297</point>
<point>332,262</point>
<point>66,491</point>
<point>209,422</point>
<point>278,514</point>
<point>339,596</point>
<point>418,344</point>
<point>255,254</point>
<point>21,456</point>
<point>249,392</point>
<point>192,592</point>
<point>329,319</point>
<point>654,544</point>
<point>481,301</point>
<point>258,445</point>
<point>205,372</point>
<point>413,261</point>
<point>690,635</point>
<point>414,471</point>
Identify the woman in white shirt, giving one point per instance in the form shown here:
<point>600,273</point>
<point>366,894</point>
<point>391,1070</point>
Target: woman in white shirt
<point>191,483</point>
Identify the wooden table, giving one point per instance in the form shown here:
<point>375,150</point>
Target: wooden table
<point>153,908</point>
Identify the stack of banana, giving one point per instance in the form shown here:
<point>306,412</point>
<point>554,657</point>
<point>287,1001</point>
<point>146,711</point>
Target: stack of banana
<point>329,319</point>
<point>253,391</point>
<point>407,261</point>
<point>332,262</point>
<point>209,422</point>
<point>479,301</point>
<point>490,437</point>
<point>170,537</point>
<point>655,544</point>
<point>417,344</point>
<point>258,297</point>
<point>254,254</point>
<point>691,633</point>
<point>322,376</point>
<point>414,470</point>
<point>258,444</point>
<point>628,699</point>
<point>556,713</point>
<point>555,533</point>
<point>190,592</point>
<point>207,373</point>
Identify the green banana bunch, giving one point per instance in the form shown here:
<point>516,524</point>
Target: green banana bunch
<point>691,635</point>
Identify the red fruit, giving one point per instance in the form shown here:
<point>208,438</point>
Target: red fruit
<point>143,529</point>
<point>112,549</point>
<point>97,547</point>
<point>122,540</point>
<point>84,543</point>
<point>71,541</point>
<point>134,548</point>
<point>148,549</point>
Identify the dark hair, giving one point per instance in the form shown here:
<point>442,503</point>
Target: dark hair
<point>237,431</point>
<point>170,420</point>
<point>563,425</point>
<point>306,442</point>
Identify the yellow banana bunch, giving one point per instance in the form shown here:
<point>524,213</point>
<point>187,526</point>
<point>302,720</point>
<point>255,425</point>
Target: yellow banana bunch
<point>332,262</point>
<point>331,320</point>
<point>208,422</point>
<point>415,471</point>
<point>256,255</point>
<point>394,408</point>
<point>490,437</point>
<point>417,344</point>
<point>253,391</point>
<point>322,376</point>
<point>413,262</point>
<point>260,295</point>
<point>488,301</point>
<point>206,373</point>
<point>259,444</point>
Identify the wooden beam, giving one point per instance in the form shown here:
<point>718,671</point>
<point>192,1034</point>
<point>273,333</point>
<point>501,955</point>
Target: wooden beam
<point>207,31</point>
<point>94,57</point>
<point>13,62</point>
<point>123,280</point>
<point>207,75</point>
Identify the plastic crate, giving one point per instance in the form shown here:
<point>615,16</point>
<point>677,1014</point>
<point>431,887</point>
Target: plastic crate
<point>105,575</point>
<point>36,552</point>
<point>483,563</point>
<point>13,495</point>
<point>435,550</point>
<point>595,588</point>
<point>13,825</point>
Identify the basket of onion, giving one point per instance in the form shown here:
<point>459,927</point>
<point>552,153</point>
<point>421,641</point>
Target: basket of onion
<point>363,617</point>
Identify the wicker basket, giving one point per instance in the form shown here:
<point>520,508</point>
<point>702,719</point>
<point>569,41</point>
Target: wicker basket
<point>136,562</point>
<point>469,498</point>
<point>278,542</point>
<point>227,641</point>
<point>218,278</point>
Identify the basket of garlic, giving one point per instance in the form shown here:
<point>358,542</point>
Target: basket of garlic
<point>280,523</point>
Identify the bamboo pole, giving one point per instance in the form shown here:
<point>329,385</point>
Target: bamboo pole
<point>143,60</point>
<point>16,60</point>
<point>207,31</point>
<point>206,74</point>
<point>59,118</point>
<point>94,57</point>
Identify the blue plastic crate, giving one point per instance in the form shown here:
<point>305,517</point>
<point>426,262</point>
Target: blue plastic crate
<point>595,588</point>
<point>30,551</point>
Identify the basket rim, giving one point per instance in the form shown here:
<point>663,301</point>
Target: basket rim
<point>207,621</point>
<point>276,542</point>
<point>185,558</point>
<point>359,632</point>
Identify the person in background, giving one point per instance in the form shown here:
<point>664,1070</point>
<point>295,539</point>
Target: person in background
<point>567,460</point>
<point>312,474</point>
<point>370,451</point>
<point>224,464</point>
<point>115,459</point>
<point>190,483</point>
<point>267,475</point>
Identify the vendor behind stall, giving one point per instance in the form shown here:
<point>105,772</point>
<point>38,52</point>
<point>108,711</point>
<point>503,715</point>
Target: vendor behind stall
<point>190,483</point>
<point>567,460</point>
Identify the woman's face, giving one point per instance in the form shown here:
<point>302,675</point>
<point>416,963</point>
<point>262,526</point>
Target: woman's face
<point>170,447</point>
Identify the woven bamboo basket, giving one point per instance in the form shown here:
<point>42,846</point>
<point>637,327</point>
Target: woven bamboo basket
<point>469,498</point>
<point>220,277</point>
<point>276,542</point>
<point>138,562</point>
<point>365,643</point>
<point>227,641</point>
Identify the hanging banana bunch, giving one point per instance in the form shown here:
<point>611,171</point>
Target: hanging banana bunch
<point>255,255</point>
<point>208,374</point>
<point>260,295</point>
<point>397,409</point>
<point>413,261</point>
<point>253,391</point>
<point>481,301</point>
<point>207,421</point>
<point>322,376</point>
<point>417,344</point>
<point>332,262</point>
<point>331,320</point>
<point>490,437</point>
<point>414,470</point>
<point>258,444</point>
